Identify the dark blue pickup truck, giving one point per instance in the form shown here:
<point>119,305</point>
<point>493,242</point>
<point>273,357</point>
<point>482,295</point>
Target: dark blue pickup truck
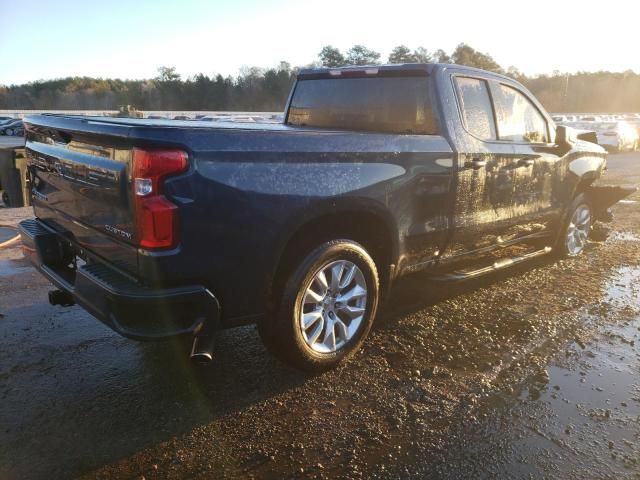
<point>162,228</point>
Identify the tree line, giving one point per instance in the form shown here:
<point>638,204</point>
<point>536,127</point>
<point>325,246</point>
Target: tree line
<point>256,89</point>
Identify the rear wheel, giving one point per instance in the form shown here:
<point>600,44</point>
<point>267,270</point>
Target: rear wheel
<point>576,228</point>
<point>9,131</point>
<point>326,309</point>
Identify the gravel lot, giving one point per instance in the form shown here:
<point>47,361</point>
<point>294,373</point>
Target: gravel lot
<point>530,373</point>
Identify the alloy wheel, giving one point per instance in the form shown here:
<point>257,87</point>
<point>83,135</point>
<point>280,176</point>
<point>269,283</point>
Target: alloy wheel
<point>333,306</point>
<point>578,230</point>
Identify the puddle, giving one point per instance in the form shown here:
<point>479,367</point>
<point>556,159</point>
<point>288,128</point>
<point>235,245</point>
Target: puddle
<point>613,356</point>
<point>623,236</point>
<point>624,288</point>
<point>581,415</point>
<point>6,234</point>
<point>13,267</point>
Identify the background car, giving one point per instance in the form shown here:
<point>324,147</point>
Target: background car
<point>591,118</point>
<point>617,136</point>
<point>563,119</point>
<point>13,127</point>
<point>634,121</point>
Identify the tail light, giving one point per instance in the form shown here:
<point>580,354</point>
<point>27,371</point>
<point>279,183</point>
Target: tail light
<point>156,217</point>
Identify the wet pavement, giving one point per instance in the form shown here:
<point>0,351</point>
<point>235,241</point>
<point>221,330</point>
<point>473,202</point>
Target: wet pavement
<point>578,415</point>
<point>530,373</point>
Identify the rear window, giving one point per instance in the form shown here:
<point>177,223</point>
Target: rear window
<point>375,104</point>
<point>476,107</point>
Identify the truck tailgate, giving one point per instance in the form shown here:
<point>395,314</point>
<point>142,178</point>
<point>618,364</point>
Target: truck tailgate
<point>81,187</point>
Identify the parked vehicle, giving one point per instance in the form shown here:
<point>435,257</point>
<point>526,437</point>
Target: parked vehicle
<point>375,173</point>
<point>563,119</point>
<point>12,127</point>
<point>634,122</point>
<point>181,117</point>
<point>590,118</point>
<point>14,191</point>
<point>617,136</point>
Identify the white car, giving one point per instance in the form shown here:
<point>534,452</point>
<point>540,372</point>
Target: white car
<point>617,136</point>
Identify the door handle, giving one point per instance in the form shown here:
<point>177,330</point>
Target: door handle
<point>475,163</point>
<point>525,162</point>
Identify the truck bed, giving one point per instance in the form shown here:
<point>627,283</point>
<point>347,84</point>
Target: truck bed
<point>103,122</point>
<point>84,184</point>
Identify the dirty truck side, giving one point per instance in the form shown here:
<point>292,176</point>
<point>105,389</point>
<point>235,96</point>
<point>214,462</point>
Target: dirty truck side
<point>162,228</point>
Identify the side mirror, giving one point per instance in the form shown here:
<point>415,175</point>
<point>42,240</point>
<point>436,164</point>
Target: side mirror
<point>562,135</point>
<point>588,137</point>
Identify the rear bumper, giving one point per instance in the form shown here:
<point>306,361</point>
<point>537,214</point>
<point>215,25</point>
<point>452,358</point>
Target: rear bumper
<point>129,308</point>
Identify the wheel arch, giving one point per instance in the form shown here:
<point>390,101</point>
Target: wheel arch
<point>366,224</point>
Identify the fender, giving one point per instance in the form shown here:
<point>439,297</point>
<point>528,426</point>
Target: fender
<point>338,206</point>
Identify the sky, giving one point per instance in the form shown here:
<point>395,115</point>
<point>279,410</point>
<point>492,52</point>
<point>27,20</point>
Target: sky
<point>45,39</point>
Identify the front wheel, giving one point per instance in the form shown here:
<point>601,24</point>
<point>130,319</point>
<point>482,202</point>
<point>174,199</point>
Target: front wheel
<point>9,131</point>
<point>576,228</point>
<point>327,307</point>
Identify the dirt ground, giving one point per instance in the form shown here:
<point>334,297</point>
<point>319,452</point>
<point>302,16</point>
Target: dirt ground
<point>530,373</point>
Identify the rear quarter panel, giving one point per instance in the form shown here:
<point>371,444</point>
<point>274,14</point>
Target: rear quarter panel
<point>250,195</point>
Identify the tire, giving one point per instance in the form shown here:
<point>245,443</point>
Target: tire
<point>576,228</point>
<point>298,332</point>
<point>9,132</point>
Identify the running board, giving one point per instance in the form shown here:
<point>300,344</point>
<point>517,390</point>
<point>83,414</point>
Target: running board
<point>497,265</point>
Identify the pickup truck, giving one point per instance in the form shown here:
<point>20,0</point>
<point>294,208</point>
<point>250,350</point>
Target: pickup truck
<point>163,228</point>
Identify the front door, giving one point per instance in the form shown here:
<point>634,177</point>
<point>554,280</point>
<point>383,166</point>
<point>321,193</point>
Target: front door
<point>535,161</point>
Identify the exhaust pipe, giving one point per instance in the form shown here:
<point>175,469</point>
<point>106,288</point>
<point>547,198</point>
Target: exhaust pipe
<point>204,342</point>
<point>202,349</point>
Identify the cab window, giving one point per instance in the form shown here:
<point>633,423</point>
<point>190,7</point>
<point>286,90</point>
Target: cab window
<point>518,119</point>
<point>395,104</point>
<point>475,105</point>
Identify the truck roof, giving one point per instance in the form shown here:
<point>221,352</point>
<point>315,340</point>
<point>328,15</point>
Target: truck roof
<point>409,68</point>
<point>402,67</point>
